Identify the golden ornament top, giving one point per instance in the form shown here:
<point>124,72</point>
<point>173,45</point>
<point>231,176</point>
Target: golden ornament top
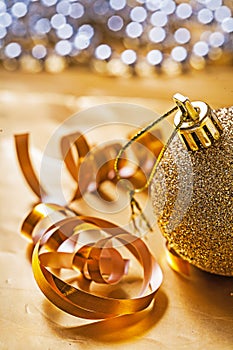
<point>201,125</point>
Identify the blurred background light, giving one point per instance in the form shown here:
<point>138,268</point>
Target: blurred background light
<point>157,34</point>
<point>182,35</point>
<point>138,14</point>
<point>134,29</point>
<point>103,52</point>
<point>201,48</point>
<point>39,51</point>
<point>13,50</point>
<point>159,19</point>
<point>169,34</point>
<point>154,57</point>
<point>129,56</point>
<point>115,23</point>
<point>179,53</point>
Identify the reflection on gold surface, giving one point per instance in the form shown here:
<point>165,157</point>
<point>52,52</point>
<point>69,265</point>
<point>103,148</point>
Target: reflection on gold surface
<point>119,329</point>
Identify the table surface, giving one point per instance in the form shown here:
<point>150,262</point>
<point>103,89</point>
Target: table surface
<point>189,313</point>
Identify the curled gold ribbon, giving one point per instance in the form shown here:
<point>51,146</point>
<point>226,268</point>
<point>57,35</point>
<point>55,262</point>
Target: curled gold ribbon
<point>58,247</point>
<point>56,233</point>
<point>22,150</point>
<point>74,149</point>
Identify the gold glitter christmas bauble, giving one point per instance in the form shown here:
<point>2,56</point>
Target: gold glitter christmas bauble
<point>192,190</point>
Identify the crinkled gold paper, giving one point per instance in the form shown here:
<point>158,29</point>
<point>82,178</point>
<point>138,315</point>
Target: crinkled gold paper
<point>204,235</point>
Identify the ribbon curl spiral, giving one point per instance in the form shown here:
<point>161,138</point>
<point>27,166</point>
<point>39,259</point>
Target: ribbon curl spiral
<point>57,234</point>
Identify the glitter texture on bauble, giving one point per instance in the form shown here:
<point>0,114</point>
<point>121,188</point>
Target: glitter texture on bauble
<point>200,227</point>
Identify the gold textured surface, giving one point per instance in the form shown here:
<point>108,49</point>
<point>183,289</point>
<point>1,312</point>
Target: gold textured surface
<point>203,234</point>
<point>194,313</point>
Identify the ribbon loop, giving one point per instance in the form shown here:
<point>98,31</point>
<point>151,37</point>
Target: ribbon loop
<point>95,251</point>
<point>98,261</point>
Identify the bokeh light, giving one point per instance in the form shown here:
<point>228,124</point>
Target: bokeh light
<point>138,14</point>
<point>142,34</point>
<point>19,9</point>
<point>103,52</point>
<point>227,25</point>
<point>205,16</point>
<point>182,35</point>
<point>201,48</point>
<point>129,56</point>
<point>179,53</point>
<point>154,57</point>
<point>159,19</point>
<point>13,50</point>
<point>39,51</point>
<point>157,34</point>
<point>134,29</point>
<point>115,23</point>
<point>184,10</point>
<point>58,20</point>
<point>117,4</point>
<point>63,47</point>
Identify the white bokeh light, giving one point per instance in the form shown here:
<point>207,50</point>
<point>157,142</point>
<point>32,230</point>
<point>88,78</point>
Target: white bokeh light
<point>63,7</point>
<point>184,11</point>
<point>159,19</point>
<point>103,52</point>
<point>154,57</point>
<point>49,2</point>
<point>5,19</point>
<point>117,4</point>
<point>115,23</point>
<point>43,26</point>
<point>138,14</point>
<point>76,10</point>
<point>13,50</point>
<point>19,9</point>
<point>153,5</point>
<point>65,31</point>
<point>134,29</point>
<point>182,35</point>
<point>3,32</point>
<point>205,16</point>
<point>222,13</point>
<point>168,6</point>
<point>81,41</point>
<point>2,7</point>
<point>39,51</point>
<point>201,48</point>
<point>63,47</point>
<point>157,34</point>
<point>87,30</point>
<point>213,4</point>
<point>216,39</point>
<point>227,25</point>
<point>58,20</point>
<point>129,56</point>
<point>179,53</point>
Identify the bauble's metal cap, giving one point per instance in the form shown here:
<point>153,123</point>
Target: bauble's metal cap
<point>200,126</point>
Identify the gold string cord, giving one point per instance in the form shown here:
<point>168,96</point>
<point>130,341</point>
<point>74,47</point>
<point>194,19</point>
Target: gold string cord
<point>176,263</point>
<point>135,206</point>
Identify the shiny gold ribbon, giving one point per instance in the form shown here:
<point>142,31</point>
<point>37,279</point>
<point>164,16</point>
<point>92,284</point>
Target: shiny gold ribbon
<point>56,233</point>
<point>74,149</point>
<point>22,150</point>
<point>58,247</point>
